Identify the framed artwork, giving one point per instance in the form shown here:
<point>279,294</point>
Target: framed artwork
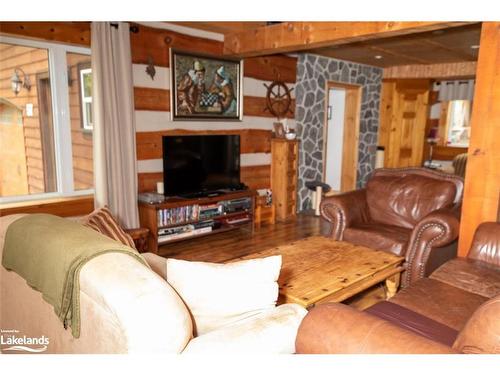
<point>205,87</point>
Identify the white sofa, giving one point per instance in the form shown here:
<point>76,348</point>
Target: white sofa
<point>128,308</point>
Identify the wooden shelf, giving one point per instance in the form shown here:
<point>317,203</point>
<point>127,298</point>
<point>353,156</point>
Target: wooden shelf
<point>222,229</point>
<point>218,217</point>
<point>148,215</point>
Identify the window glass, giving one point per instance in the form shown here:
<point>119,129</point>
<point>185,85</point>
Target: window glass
<point>80,102</point>
<point>27,152</point>
<point>458,123</point>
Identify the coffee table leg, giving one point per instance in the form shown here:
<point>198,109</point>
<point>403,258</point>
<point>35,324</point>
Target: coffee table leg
<point>392,284</point>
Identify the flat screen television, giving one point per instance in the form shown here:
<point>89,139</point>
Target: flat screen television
<point>200,163</point>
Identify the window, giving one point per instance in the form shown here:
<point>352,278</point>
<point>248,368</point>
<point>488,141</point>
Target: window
<point>86,96</point>
<point>458,123</point>
<point>45,120</point>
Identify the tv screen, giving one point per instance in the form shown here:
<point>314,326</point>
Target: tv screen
<point>200,163</point>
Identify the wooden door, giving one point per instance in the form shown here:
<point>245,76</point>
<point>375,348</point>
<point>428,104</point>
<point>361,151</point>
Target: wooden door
<point>403,115</point>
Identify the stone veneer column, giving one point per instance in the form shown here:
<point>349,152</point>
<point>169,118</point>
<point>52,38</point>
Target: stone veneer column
<point>313,73</point>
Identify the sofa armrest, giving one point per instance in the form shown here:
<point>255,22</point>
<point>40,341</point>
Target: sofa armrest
<point>131,292</point>
<point>157,264</point>
<point>271,332</point>
<point>344,209</point>
<point>339,329</point>
<point>437,229</point>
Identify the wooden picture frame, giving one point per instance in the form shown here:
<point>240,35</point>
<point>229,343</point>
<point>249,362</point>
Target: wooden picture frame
<point>205,87</point>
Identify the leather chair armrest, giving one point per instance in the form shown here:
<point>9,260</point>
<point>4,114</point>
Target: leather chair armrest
<point>437,229</point>
<point>334,328</point>
<point>344,209</point>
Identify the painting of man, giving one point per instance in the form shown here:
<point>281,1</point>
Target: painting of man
<point>223,87</point>
<point>193,98</point>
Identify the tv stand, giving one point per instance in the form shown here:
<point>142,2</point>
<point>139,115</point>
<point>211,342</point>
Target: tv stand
<point>202,194</point>
<point>181,218</point>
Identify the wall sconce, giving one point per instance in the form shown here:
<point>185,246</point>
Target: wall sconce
<point>16,82</point>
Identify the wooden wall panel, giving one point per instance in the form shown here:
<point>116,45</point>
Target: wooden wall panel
<point>482,176</point>
<point>64,207</point>
<point>270,68</point>
<point>65,32</point>
<point>435,71</point>
<point>255,177</point>
<point>149,144</point>
<point>150,99</point>
<point>155,43</point>
<point>256,106</point>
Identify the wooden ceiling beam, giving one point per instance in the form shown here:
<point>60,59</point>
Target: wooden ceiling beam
<point>298,36</point>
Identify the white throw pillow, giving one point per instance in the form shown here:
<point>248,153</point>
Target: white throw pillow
<point>221,294</point>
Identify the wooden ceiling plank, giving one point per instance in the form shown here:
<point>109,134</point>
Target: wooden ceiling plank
<point>299,36</point>
<point>397,54</point>
<point>460,55</point>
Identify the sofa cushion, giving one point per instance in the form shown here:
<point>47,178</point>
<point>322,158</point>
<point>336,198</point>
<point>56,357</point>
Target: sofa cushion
<point>379,237</point>
<point>481,334</point>
<point>471,275</point>
<point>415,322</point>
<point>222,294</point>
<point>103,221</point>
<point>272,332</point>
<point>440,302</point>
<point>405,199</point>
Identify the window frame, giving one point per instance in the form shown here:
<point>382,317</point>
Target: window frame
<point>58,76</point>
<point>84,68</point>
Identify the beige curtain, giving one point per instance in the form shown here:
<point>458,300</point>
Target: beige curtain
<point>115,171</point>
<point>456,90</point>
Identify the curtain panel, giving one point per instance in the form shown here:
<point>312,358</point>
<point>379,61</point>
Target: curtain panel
<point>115,170</point>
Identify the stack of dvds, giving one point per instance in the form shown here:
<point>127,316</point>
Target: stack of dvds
<point>178,215</point>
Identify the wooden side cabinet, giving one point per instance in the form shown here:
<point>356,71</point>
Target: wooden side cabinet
<point>285,155</point>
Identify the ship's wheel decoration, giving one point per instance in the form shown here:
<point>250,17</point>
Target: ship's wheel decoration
<point>278,99</point>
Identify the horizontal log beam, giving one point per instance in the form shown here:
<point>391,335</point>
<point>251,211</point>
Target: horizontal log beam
<point>299,36</point>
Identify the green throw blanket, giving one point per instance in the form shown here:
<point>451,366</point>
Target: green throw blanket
<point>49,252</point>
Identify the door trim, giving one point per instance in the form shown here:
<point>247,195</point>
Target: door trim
<point>350,142</point>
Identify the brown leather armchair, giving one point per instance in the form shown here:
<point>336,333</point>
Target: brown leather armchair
<point>455,310</point>
<point>410,212</point>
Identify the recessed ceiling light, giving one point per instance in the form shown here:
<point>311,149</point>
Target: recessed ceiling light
<point>378,57</point>
<point>475,46</point>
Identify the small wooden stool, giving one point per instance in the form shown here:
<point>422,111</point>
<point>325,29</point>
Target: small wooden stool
<point>264,214</point>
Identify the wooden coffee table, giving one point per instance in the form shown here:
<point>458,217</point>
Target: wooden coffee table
<point>317,270</point>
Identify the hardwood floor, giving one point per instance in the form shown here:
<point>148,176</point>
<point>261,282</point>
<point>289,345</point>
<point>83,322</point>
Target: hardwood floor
<point>240,242</point>
<point>222,247</point>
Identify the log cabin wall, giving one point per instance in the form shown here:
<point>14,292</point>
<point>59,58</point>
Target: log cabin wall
<point>152,97</point>
<point>152,104</point>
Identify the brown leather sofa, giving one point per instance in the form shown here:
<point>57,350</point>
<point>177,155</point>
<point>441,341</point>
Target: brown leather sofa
<point>410,212</point>
<point>455,310</point>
